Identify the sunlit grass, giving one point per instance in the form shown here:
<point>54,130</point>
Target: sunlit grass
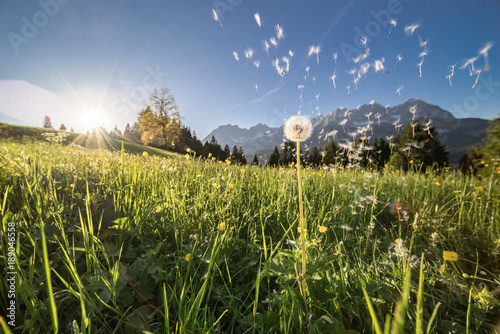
<point>146,242</point>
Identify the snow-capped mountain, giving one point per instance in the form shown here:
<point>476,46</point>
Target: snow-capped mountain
<point>372,119</point>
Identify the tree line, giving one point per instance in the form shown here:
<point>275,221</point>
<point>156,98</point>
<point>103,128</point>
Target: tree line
<point>159,125</point>
<point>415,145</point>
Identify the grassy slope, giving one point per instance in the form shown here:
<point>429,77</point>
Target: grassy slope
<point>156,222</point>
<point>26,133</point>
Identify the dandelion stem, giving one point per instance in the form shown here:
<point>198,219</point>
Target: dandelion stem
<point>302,226</point>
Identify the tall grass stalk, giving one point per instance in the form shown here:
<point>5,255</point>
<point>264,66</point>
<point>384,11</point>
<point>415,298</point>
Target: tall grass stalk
<point>302,229</point>
<point>48,279</point>
<point>419,329</point>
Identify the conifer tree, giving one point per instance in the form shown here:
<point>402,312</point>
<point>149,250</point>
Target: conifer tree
<point>274,158</point>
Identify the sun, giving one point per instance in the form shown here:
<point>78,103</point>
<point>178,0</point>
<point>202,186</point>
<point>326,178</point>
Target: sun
<point>93,120</point>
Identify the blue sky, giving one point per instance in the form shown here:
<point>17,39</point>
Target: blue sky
<point>103,57</point>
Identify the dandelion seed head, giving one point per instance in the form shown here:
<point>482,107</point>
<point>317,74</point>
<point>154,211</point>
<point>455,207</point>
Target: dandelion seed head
<point>298,128</point>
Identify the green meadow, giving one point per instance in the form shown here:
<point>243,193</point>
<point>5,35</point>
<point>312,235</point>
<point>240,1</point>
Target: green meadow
<point>120,241</point>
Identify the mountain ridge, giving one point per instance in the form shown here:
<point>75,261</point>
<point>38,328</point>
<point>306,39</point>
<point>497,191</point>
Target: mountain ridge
<point>373,119</point>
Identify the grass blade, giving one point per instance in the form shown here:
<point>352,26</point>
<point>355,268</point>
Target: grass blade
<point>434,313</point>
<point>52,302</point>
<point>373,315</point>
<point>420,300</point>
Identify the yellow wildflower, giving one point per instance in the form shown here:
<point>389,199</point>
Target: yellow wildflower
<point>450,256</point>
<point>222,226</point>
<point>323,229</point>
<point>188,257</point>
<point>144,154</point>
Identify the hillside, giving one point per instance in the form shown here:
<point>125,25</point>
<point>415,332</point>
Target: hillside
<point>92,140</point>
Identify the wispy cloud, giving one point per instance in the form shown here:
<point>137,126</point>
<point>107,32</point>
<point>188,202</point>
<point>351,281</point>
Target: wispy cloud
<point>266,95</point>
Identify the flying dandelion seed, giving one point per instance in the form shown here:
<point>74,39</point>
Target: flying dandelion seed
<point>372,103</point>
<point>333,77</point>
<point>424,53</point>
<point>348,90</point>
<point>266,47</point>
<point>315,49</point>
<point>362,56</point>
<point>279,32</point>
<point>427,127</point>
<point>399,57</point>
<point>484,52</point>
<point>379,65</point>
<point>419,65</point>
<point>256,63</point>
<point>290,53</point>
<point>235,55</point>
<point>331,134</point>
<point>335,57</point>
<point>470,64</point>
<point>347,113</point>
<point>364,41</point>
<point>317,98</point>
<point>273,41</point>
<point>342,123</point>
<point>287,62</point>
<point>356,80</point>
<point>423,43</point>
<point>393,23</point>
<point>410,30</point>
<point>353,72</point>
<point>387,106</point>
<point>216,17</point>
<point>398,91</point>
<point>257,19</point>
<point>307,70</point>
<point>248,53</point>
<point>363,68</point>
<point>413,111</point>
<point>256,89</point>
<point>478,72</point>
<point>395,123</point>
<point>450,76</point>
<point>279,69</point>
